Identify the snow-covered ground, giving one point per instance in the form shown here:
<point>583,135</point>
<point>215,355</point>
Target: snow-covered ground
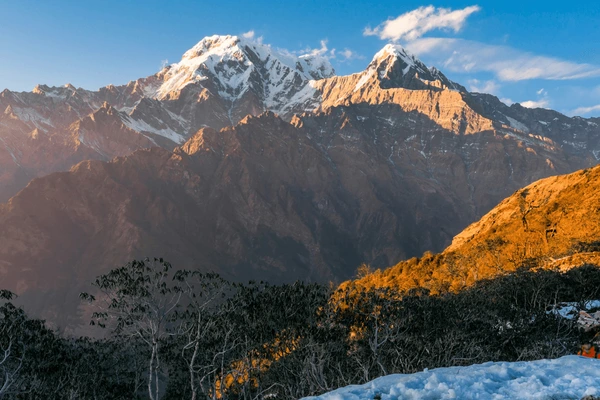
<point>569,377</point>
<point>584,316</point>
<point>571,310</point>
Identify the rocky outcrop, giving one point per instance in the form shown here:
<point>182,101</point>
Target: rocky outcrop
<point>550,224</point>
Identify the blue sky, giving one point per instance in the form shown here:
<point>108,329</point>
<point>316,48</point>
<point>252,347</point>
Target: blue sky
<point>541,53</point>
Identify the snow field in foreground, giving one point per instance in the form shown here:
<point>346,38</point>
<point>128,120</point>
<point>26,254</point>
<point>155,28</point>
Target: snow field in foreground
<point>569,377</point>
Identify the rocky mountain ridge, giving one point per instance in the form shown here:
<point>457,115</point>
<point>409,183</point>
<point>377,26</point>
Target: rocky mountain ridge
<point>224,78</point>
<point>550,224</point>
<point>217,83</point>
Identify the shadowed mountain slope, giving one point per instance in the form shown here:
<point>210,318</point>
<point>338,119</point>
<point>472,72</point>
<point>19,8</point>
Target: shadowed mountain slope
<point>311,199</point>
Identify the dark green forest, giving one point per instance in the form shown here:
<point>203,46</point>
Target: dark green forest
<point>178,334</point>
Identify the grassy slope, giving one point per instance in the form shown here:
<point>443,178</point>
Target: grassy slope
<point>552,223</point>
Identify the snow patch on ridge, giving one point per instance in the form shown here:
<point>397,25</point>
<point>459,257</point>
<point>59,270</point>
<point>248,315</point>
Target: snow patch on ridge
<point>142,126</point>
<point>570,310</point>
<point>364,79</point>
<point>307,99</point>
<point>92,144</point>
<point>576,145</point>
<point>517,125</point>
<point>31,115</point>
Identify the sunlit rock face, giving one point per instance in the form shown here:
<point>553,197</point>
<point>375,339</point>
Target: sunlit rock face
<point>552,223</point>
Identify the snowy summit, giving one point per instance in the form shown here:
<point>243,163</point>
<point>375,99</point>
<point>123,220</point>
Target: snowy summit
<point>237,66</point>
<point>397,67</point>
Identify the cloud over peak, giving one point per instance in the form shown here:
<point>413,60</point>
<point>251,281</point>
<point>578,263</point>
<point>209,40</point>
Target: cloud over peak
<point>491,87</point>
<point>508,64</point>
<point>543,103</point>
<point>585,110</point>
<point>248,35</point>
<point>330,54</point>
<point>414,24</point>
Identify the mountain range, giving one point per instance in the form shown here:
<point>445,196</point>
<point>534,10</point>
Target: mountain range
<point>258,163</point>
<point>224,78</point>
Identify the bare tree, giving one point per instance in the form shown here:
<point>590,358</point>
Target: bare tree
<point>12,349</point>
<point>209,336</point>
<point>140,300</point>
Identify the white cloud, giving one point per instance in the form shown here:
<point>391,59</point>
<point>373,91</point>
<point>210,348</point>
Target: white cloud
<point>585,110</point>
<point>478,86</point>
<point>507,101</point>
<point>348,54</point>
<point>164,63</point>
<point>414,24</point>
<point>508,64</point>
<point>251,35</point>
<point>543,103</point>
<point>326,52</point>
<point>321,51</point>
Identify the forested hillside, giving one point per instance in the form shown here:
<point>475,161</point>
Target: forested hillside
<point>176,334</point>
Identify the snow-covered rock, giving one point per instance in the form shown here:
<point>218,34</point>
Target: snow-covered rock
<point>236,66</point>
<point>397,67</point>
<point>586,315</point>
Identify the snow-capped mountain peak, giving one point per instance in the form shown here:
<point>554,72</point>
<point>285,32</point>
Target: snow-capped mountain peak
<point>311,66</point>
<point>61,92</point>
<point>397,67</point>
<point>233,66</point>
<point>396,51</point>
<point>212,44</point>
